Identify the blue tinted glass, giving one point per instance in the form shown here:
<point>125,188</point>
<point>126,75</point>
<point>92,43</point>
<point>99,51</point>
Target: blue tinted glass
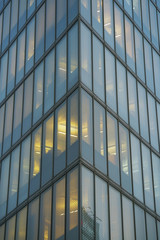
<point>50,22</point>
<point>11,67</point>
<point>72,9</point>
<point>22,12</point>
<point>6,20</point>
<point>61,16</point>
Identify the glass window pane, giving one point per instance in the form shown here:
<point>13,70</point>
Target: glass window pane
<point>86,9</point>
<point>1,126</point>
<point>148,65</point>
<point>8,125</point>
<point>50,22</point>
<point>145,17</point>
<point>3,76</point>
<point>27,105</point>
<point>136,168</point>
<point>61,16</point>
<point>147,177</point>
<point>21,224</point>
<point>35,160</point>
<point>59,210</point>
<point>125,159</point>
<point>128,6</point>
<point>73,56</point>
<point>40,17</point>
<point>115,214</point>
<point>60,139</point>
<point>102,229</point>
<point>49,81</point>
<point>139,55</point>
<point>156,178</point>
<point>113,156</point>
<point>13,183</point>
<point>87,214</point>
<point>158,226</point>
<point>45,215</point>
<point>2,229</point>
<point>143,112</point>
<point>61,68</point>
<point>30,8</point>
<point>72,9</point>
<point>14,19</point>
<point>72,141</point>
<point>72,205</point>
<point>86,127</point>
<point>100,138</point>
<point>151,227</point>
<point>119,31</point>
<point>38,2</point>
<point>137,12</point>
<point>97,16</point>
<point>33,213</point>
<point>1,17</point>
<point>140,223</point>
<point>4,177</point>
<point>128,222</point>
<point>30,45</point>
<point>132,98</point>
<point>154,27</point>
<point>108,22</point>
<point>22,12</point>
<point>122,92</point>
<point>20,57</point>
<point>158,117</point>
<point>47,154</point>
<point>6,21</point>
<point>10,229</point>
<point>38,93</point>
<point>24,170</point>
<point>18,100</point>
<point>156,62</point>
<point>11,67</point>
<point>98,68</point>
<point>110,80</point>
<point>86,75</point>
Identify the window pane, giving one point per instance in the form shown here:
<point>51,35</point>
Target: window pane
<point>137,12</point>
<point>122,92</point>
<point>72,141</point>
<point>27,105</point>
<point>47,155</point>
<point>132,98</point>
<point>102,230</point>
<point>14,19</point>
<point>49,81</point>
<point>13,183</point>
<point>140,223</point>
<point>6,21</point>
<point>3,76</point>
<point>154,30</point>
<point>128,222</point>
<point>38,93</point>
<point>31,7</point>
<point>72,205</point>
<point>86,127</point>
<point>156,177</point>
<point>108,22</point>
<point>40,17</point>
<point>136,168</point>
<point>60,139</point>
<point>125,159</point>
<point>128,6</point>
<point>4,186</point>
<point>147,176</point>
<point>145,16</point>
<point>97,16</point>
<point>149,66</point>
<point>59,210</point>
<point>21,224</point>
<point>115,214</point>
<point>72,9</point>
<point>98,68</point>
<point>158,226</point>
<point>11,67</point>
<point>8,125</point>
<point>20,57</point>
<point>158,117</point>
<point>85,9</point>
<point>18,100</point>
<point>24,170</point>
<point>1,17</point>
<point>10,228</point>
<point>45,215</point>
<point>113,156</point>
<point>22,12</point>
<point>33,213</point>
<point>1,126</point>
<point>61,16</point>
<point>86,75</point>
<point>119,31</point>
<point>50,22</point>
<point>30,45</point>
<point>110,80</point>
<point>73,56</point>
<point>35,160</point>
<point>87,215</point>
<point>151,227</point>
<point>100,138</point>
<point>156,62</point>
<point>2,229</point>
<point>139,55</point>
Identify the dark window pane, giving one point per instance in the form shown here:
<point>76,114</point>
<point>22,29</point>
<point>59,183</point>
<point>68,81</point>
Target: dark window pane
<point>6,21</point>
<point>50,22</point>
<point>3,76</point>
<point>20,57</point>
<point>156,177</point>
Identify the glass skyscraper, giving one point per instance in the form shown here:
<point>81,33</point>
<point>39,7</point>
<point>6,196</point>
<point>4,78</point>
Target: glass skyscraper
<point>80,119</point>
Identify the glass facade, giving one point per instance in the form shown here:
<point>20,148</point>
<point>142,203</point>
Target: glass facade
<point>79,119</point>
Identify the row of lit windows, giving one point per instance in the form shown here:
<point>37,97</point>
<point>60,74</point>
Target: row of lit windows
<point>56,206</point>
<point>150,28</point>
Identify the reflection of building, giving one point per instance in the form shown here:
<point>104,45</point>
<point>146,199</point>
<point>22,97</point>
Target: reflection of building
<point>79,119</point>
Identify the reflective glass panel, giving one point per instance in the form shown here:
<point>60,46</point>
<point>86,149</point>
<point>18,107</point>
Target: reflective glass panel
<point>10,228</point>
<point>154,27</point>
<point>72,9</point>
<point>20,56</point>
<point>137,12</point>
<point>151,227</point>
<point>139,55</point>
<point>145,17</point>
<point>86,9</point>
<point>3,76</point>
<point>156,62</point>
<point>97,16</point>
<point>50,22</point>
<point>11,67</point>
<point>6,21</point>
<point>61,16</point>
<point>21,224</point>
<point>156,178</point>
<point>108,22</point>
<point>30,45</point>
<point>1,126</point>
<point>148,65</point>
<point>22,12</point>
<point>14,19</point>
<point>140,223</point>
<point>31,7</point>
<point>33,214</point>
